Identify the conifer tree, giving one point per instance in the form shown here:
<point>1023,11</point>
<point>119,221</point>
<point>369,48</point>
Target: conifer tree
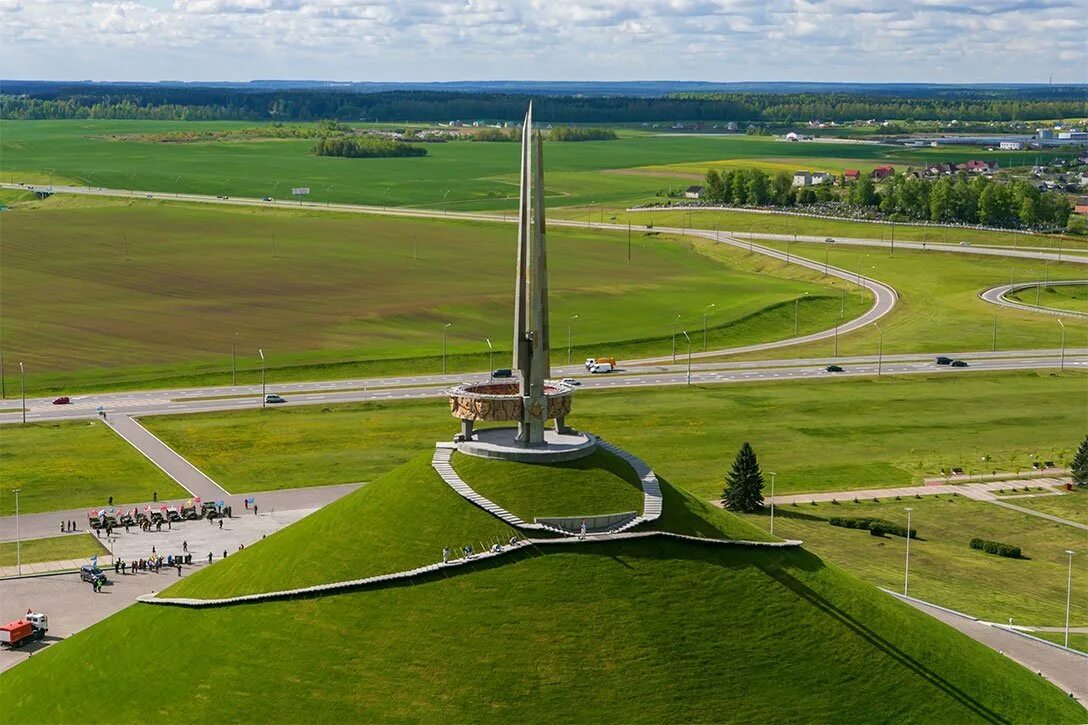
<point>744,482</point>
<point>1079,467</point>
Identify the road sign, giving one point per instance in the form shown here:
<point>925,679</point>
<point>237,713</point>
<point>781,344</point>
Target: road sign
<point>300,191</point>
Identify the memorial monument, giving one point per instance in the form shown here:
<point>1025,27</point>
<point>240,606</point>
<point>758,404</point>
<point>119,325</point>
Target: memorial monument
<point>533,399</point>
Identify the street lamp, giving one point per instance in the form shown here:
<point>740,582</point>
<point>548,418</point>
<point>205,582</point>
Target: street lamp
<point>674,338</point>
<point>706,312</point>
<point>906,572</point>
<point>490,359</point>
<point>879,349</point>
<point>796,314</point>
<point>773,474</point>
<point>689,354</point>
<point>445,207</point>
<point>383,196</point>
<point>22,387</point>
<point>234,359</point>
<point>1061,364</point>
<point>264,395</point>
<point>993,345</point>
<point>570,325</point>
<point>19,550</point>
<point>444,328</point>
<point>1068,584</point>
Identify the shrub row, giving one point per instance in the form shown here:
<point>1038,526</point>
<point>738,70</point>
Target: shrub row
<point>996,547</point>
<point>876,527</point>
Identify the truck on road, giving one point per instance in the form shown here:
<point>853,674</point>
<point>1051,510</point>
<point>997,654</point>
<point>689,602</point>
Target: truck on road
<point>31,627</point>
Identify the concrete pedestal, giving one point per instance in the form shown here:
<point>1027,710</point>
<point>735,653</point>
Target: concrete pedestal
<point>501,444</point>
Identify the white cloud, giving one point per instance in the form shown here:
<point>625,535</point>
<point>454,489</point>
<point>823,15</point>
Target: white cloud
<point>876,40</point>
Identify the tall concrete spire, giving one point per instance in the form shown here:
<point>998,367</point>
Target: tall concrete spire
<point>531,343</point>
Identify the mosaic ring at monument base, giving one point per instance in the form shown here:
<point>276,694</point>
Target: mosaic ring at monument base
<point>502,402</point>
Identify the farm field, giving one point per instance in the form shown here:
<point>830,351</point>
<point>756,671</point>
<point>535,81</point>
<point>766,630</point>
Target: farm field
<point>476,175</point>
<point>154,294</point>
<point>1073,297</point>
<point>75,464</point>
<point>939,309</point>
<point>55,548</point>
<point>818,436</point>
<point>943,568</point>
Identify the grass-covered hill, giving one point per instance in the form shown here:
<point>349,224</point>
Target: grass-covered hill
<point>626,631</point>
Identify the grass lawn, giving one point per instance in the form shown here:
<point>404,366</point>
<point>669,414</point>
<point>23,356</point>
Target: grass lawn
<point>347,295</point>
<point>600,483</point>
<point>943,568</point>
<point>1077,640</point>
<point>55,548</point>
<point>939,309</point>
<point>75,464</point>
<point>1073,297</point>
<point>826,435</point>
<point>637,631</point>
<point>1072,506</point>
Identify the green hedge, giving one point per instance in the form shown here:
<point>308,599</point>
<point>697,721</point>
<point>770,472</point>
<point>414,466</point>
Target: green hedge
<point>996,547</point>
<point>875,526</point>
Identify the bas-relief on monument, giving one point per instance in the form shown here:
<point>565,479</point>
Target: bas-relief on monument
<point>534,399</point>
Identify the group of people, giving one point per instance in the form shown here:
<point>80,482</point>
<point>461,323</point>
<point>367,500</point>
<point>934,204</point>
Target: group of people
<point>66,526</point>
<point>467,552</point>
<point>154,563</point>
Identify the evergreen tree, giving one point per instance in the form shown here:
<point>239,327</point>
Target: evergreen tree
<point>1079,467</point>
<point>744,482</point>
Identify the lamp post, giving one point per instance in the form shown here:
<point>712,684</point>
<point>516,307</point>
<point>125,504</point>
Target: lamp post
<point>1068,587</point>
<point>674,338</point>
<point>706,312</point>
<point>490,359</point>
<point>827,249</point>
<point>1061,363</point>
<point>264,395</point>
<point>22,387</point>
<point>570,326</point>
<point>993,344</point>
<point>796,314</point>
<point>879,349</point>
<point>445,206</point>
<point>859,273</point>
<point>19,548</point>
<point>444,328</point>
<point>234,359</point>
<point>328,190</point>
<point>689,355</point>
<point>906,571</point>
<point>773,474</point>
<point>3,380</point>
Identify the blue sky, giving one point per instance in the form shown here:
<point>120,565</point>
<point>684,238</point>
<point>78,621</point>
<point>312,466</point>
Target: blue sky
<point>721,40</point>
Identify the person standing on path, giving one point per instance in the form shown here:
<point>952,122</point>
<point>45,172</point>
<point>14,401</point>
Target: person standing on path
<point>154,495</point>
<point>445,555</point>
<point>220,524</point>
<point>209,557</point>
<point>185,546</point>
<point>254,508</point>
<point>582,530</point>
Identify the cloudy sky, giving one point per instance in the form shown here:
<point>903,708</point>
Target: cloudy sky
<point>720,40</point>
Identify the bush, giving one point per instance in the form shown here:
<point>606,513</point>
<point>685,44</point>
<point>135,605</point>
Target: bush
<point>996,547</point>
<point>876,527</point>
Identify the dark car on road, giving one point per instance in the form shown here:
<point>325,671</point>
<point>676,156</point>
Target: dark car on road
<point>959,364</point>
<point>942,360</point>
<point>90,573</point>
<point>273,398</point>
<point>503,373</point>
<point>62,400</point>
<point>834,368</point>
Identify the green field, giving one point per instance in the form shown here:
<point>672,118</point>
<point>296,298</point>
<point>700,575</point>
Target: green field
<point>1073,297</point>
<point>939,310</point>
<point>147,294</point>
<point>75,464</point>
<point>1072,506</point>
<point>827,435</point>
<point>54,548</point>
<point>943,568</point>
<point>630,631</point>
<point>601,483</point>
<point>476,175</point>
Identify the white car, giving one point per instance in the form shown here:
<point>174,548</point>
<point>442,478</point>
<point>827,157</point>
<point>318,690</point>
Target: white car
<point>570,381</point>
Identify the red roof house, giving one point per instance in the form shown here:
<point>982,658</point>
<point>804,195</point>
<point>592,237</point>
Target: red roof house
<point>882,172</point>
<point>851,174</point>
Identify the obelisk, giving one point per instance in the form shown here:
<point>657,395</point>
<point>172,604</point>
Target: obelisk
<point>531,344</point>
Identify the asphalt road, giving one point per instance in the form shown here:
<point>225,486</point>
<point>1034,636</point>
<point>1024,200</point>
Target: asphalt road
<point>996,296</point>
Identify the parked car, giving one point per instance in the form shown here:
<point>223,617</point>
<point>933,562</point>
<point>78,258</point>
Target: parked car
<point>834,368</point>
<point>91,573</point>
<point>62,400</point>
<point>503,373</point>
<point>273,398</point>
<point>959,364</point>
<point>942,360</point>
<point>172,514</point>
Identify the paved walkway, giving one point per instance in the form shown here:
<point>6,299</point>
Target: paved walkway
<point>39,526</point>
<point>188,476</point>
<point>1068,670</point>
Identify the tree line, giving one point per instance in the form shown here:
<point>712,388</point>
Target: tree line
<point>189,103</point>
<point>958,199</point>
<point>365,147</point>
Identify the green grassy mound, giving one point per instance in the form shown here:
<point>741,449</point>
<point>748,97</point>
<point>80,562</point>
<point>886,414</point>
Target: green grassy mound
<point>400,521</point>
<point>683,513</point>
<point>633,631</point>
<point>600,483</point>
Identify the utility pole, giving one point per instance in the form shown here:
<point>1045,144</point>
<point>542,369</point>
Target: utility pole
<point>993,345</point>
<point>1068,584</point>
<point>674,339</point>
<point>491,359</point>
<point>879,350</point>
<point>1061,365</point>
<point>264,394</point>
<point>234,359</point>
<point>706,312</point>
<point>19,549</point>
<point>906,571</point>
<point>773,474</point>
<point>444,328</point>
<point>689,355</point>
<point>22,387</point>
<point>570,328</point>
